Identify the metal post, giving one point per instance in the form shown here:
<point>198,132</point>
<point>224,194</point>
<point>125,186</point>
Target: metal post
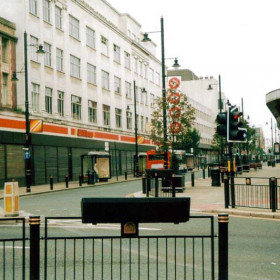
<point>173,188</point>
<point>273,194</point>
<point>163,95</point>
<point>27,156</point>
<point>231,174</point>
<point>192,179</point>
<point>51,183</point>
<point>226,182</point>
<point>203,173</point>
<point>144,185</point>
<point>156,186</point>
<point>136,136</point>
<point>223,246</point>
<point>125,175</point>
<point>209,171</point>
<point>148,186</point>
<point>66,181</point>
<point>34,223</point>
<point>80,180</point>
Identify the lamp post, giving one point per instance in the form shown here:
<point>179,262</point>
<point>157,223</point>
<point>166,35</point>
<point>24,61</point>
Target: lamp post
<point>27,155</point>
<point>146,39</point>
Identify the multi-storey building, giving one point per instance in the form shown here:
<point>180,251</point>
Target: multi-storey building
<point>82,87</point>
<point>203,94</point>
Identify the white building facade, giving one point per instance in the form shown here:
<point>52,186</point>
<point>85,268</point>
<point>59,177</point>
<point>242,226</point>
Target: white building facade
<point>83,86</point>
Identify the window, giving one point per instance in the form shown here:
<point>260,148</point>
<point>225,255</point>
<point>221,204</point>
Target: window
<point>104,46</point>
<point>140,70</point>
<point>147,124</point>
<point>128,120</point>
<point>145,71</point>
<point>5,53</point>
<point>33,48</point>
<point>106,115</point>
<point>47,10</point>
<point>151,75</point>
<point>4,89</point>
<point>60,103</point>
<point>157,79</point>
<point>142,123</point>
<point>152,99</point>
<point>127,60</point>
<point>117,54</point>
<point>105,80</point>
<point>128,89</point>
<point>141,96</point>
<point>145,97</point>
<point>118,118</point>
<point>91,74</point>
<point>48,55</point>
<point>74,66</point>
<point>58,17</point>
<point>33,6</point>
<point>35,97</point>
<point>135,64</point>
<point>59,59</point>
<point>90,37</point>
<point>74,27</point>
<point>76,107</point>
<point>117,85</point>
<point>48,100</point>
<point>92,111</point>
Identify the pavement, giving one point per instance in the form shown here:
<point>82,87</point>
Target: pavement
<point>204,197</point>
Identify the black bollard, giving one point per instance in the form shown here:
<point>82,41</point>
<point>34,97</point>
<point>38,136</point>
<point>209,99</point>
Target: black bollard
<point>192,179</point>
<point>203,173</point>
<point>51,183</point>
<point>125,175</point>
<point>144,185</point>
<point>80,180</point>
<point>66,181</point>
<point>34,259</point>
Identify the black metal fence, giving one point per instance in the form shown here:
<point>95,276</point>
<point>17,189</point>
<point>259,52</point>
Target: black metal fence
<point>253,192</point>
<point>64,256</point>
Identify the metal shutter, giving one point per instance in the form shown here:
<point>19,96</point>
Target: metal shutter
<point>51,163</point>
<point>39,165</point>
<point>62,163</point>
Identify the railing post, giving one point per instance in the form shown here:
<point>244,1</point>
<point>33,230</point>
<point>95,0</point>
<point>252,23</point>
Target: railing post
<point>203,173</point>
<point>209,171</point>
<point>51,183</point>
<point>232,190</point>
<point>273,193</point>
<point>66,181</point>
<point>144,185</point>
<point>34,223</point>
<point>156,186</point>
<point>148,186</point>
<point>192,179</point>
<point>223,246</point>
<point>173,188</point>
<point>226,186</point>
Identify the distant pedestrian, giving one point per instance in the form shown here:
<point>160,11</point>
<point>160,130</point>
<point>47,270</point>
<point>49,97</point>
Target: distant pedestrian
<point>96,173</point>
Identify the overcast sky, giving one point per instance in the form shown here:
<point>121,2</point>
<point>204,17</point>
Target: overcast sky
<point>238,39</point>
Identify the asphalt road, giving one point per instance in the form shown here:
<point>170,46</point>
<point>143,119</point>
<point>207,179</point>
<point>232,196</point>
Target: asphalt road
<point>254,244</point>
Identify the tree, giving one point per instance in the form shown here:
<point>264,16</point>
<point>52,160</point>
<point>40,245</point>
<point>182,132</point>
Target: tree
<point>185,118</point>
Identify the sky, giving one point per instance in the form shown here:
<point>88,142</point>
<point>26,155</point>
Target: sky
<point>237,39</point>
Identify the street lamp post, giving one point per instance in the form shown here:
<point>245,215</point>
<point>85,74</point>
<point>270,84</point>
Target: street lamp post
<point>146,39</point>
<point>27,154</point>
<point>136,133</point>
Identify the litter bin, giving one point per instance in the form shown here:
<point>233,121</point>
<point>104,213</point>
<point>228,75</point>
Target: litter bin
<point>273,163</point>
<point>215,176</point>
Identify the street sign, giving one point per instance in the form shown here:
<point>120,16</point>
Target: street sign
<point>26,154</point>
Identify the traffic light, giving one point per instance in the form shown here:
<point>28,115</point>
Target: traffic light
<point>222,124</point>
<point>235,131</point>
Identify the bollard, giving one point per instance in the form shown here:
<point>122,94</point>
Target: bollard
<point>273,193</point>
<point>51,183</point>
<point>125,175</point>
<point>203,173</point>
<point>34,223</point>
<point>80,180</point>
<point>223,246</point>
<point>66,181</point>
<point>192,179</point>
<point>144,185</point>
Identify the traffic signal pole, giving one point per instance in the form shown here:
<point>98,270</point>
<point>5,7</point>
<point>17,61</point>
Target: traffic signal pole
<point>231,175</point>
